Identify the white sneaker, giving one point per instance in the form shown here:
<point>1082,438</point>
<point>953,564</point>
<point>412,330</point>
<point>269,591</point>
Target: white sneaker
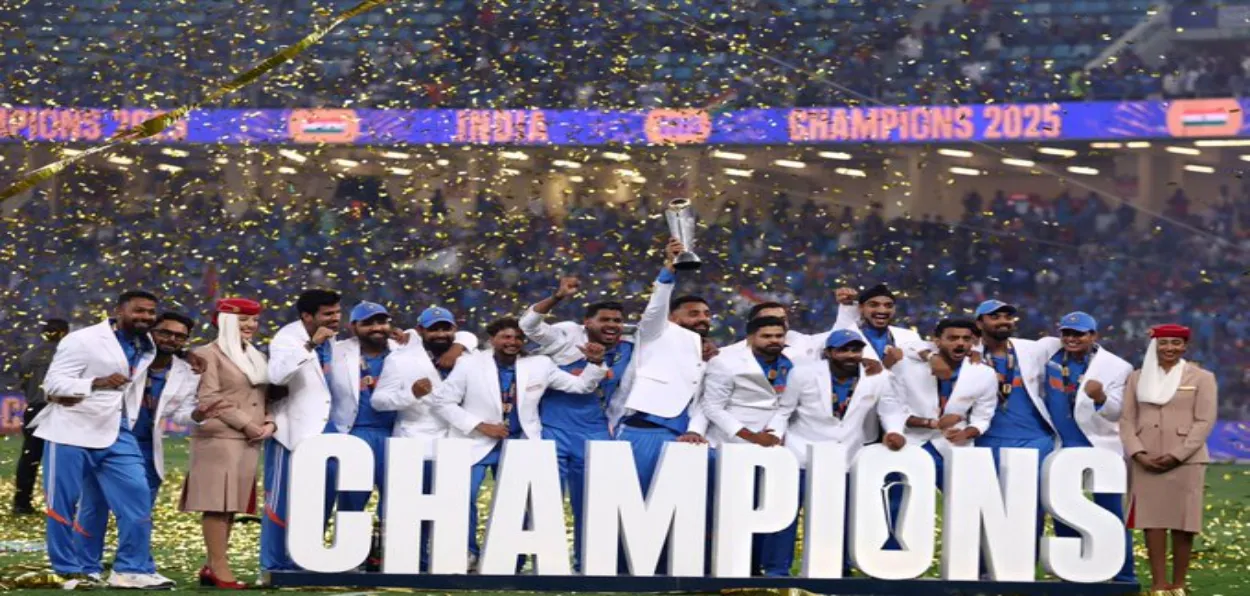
<point>140,581</point>
<point>83,581</point>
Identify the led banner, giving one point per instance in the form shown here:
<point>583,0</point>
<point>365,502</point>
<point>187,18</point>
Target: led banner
<point>1082,121</point>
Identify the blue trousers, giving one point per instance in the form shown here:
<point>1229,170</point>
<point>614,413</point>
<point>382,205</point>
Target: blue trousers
<point>116,473</point>
<point>476,478</point>
<point>571,455</point>
<point>93,515</point>
<point>895,493</point>
<point>1115,504</point>
<point>357,500</point>
<point>1043,445</point>
<point>647,444</point>
<point>273,552</point>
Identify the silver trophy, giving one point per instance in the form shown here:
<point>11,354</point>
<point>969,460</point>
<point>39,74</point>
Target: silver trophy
<point>680,215</point>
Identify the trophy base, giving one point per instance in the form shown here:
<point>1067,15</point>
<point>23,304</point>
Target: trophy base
<point>687,262</point>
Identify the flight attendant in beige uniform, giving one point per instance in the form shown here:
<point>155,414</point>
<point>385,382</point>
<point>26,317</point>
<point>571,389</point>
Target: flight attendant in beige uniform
<point>1169,410</point>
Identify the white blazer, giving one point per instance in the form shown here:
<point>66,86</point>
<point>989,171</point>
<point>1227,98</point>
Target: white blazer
<point>668,361</point>
<point>81,357</point>
<point>848,318</point>
<point>471,395</point>
<point>394,393</point>
<point>345,383</point>
<point>561,341</point>
<point>915,393</point>
<point>813,420</point>
<point>304,412</point>
<point>1102,426</point>
<point>737,395</point>
<point>177,401</point>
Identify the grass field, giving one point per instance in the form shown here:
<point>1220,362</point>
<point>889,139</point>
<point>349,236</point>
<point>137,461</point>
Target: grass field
<point>1221,566</point>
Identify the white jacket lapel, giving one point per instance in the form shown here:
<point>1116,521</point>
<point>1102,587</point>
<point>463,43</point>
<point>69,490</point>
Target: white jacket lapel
<point>824,384</point>
<point>491,370</point>
<point>113,346</point>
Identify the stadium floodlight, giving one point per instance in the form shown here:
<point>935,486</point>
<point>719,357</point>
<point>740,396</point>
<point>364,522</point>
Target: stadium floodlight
<point>1244,157</point>
<point>738,172</point>
<point>286,170</point>
<point>346,163</point>
<point>852,172</point>
<point>628,173</point>
<point>293,155</point>
<point>729,155</point>
<point>1057,151</point>
<point>564,163</point>
<point>1105,145</point>
<point>221,160</point>
<point>838,155</point>
<point>509,172</point>
<point>443,162</point>
<point>170,151</point>
<point>166,167</point>
<point>395,155</point>
<point>614,156</point>
<point>790,163</point>
<point>121,161</point>
<point>400,171</point>
<point>1023,163</point>
<point>1183,150</point>
<point>1138,145</point>
<point>576,179</point>
<point>72,151</point>
<point>966,171</point>
<point>954,152</point>
<point>514,155</point>
<point>1190,167</point>
<point>1083,170</point>
<point>1223,143</point>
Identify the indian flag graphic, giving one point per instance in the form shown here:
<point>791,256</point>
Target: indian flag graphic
<point>324,127</point>
<point>1204,118</point>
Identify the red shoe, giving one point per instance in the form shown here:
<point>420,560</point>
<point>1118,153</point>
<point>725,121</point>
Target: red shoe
<point>209,580</point>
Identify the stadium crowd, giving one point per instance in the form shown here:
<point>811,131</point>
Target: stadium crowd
<point>477,53</point>
<point>1046,254</point>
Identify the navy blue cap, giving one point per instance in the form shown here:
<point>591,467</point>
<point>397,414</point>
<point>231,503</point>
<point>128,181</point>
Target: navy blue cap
<point>1078,321</point>
<point>367,310</point>
<point>990,307</point>
<point>435,315</point>
<point>842,337</point>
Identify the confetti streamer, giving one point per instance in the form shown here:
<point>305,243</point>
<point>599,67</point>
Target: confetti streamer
<point>156,125</point>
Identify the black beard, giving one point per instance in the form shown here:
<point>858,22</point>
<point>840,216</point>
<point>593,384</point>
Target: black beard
<point>438,347</point>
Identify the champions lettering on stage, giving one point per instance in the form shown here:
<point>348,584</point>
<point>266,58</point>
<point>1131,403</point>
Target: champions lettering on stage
<point>842,500</point>
<point>88,125</point>
<point>926,123</point>
<point>501,127</point>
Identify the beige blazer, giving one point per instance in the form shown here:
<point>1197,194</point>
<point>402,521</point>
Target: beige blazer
<point>222,380</point>
<point>1180,428</point>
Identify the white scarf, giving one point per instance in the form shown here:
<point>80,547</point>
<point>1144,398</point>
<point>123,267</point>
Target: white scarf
<point>1155,386</point>
<point>247,358</point>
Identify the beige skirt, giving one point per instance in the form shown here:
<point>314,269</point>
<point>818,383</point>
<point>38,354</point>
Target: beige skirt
<point>222,476</point>
<point>1171,501</point>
